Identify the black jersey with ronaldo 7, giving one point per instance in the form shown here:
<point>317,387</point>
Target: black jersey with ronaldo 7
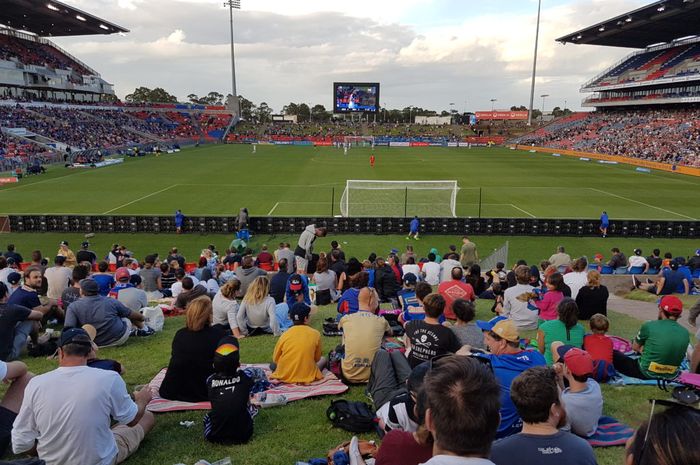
<point>229,421</point>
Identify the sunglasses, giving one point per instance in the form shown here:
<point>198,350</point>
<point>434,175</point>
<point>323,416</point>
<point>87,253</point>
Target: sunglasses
<point>654,403</point>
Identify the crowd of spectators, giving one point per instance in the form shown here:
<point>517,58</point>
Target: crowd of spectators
<point>35,53</point>
<point>667,136</point>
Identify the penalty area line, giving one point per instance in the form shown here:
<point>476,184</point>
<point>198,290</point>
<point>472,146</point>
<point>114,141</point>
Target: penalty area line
<point>139,199</point>
<point>273,209</point>
<point>524,211</point>
<point>641,203</point>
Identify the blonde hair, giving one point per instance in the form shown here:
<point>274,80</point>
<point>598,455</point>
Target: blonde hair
<point>230,288</point>
<point>599,323</point>
<point>257,291</point>
<point>593,278</point>
<point>199,313</point>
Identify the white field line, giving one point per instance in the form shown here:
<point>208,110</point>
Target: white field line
<point>139,199</point>
<point>45,180</point>
<point>641,203</point>
<point>524,211</point>
<point>272,209</point>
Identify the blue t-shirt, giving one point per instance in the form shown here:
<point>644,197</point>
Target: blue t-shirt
<point>415,223</point>
<point>105,282</point>
<point>179,218</point>
<point>25,298</point>
<point>604,220</point>
<point>561,448</point>
<point>673,282</point>
<point>507,367</point>
<point>685,271</point>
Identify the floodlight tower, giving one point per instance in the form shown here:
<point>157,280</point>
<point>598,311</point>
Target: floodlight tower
<point>233,4</point>
<point>534,64</point>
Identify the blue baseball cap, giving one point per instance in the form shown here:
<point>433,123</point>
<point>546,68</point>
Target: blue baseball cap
<point>488,325</point>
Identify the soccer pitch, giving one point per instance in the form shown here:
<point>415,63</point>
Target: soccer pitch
<point>309,181</point>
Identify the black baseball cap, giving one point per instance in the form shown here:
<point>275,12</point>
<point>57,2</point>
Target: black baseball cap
<point>75,336</point>
<point>299,311</point>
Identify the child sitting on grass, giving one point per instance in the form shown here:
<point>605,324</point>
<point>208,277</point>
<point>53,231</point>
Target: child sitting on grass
<point>297,355</point>
<point>230,420</point>
<point>465,329</point>
<point>416,312</point>
<point>600,347</point>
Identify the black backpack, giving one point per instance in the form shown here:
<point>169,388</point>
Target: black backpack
<point>356,417</point>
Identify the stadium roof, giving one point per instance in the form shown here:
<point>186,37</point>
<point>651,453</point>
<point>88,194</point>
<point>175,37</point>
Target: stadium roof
<point>52,18</point>
<point>661,21</point>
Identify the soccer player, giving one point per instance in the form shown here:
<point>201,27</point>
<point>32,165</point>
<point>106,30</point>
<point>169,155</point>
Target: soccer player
<point>371,160</point>
<point>255,148</point>
<point>604,223</point>
<point>413,228</point>
<point>179,219</point>
<point>345,149</point>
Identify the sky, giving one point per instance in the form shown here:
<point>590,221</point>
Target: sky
<point>425,53</point>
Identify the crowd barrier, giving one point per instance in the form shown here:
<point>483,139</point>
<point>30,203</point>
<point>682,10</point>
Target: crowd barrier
<point>689,170</point>
<point>374,225</point>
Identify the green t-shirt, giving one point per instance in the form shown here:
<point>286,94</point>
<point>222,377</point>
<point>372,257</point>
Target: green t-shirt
<point>665,343</point>
<point>555,330</point>
<point>468,254</point>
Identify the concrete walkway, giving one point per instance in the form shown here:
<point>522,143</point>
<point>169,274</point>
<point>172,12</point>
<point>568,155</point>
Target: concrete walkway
<point>642,310</point>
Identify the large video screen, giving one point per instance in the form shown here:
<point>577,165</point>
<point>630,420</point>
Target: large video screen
<point>350,97</point>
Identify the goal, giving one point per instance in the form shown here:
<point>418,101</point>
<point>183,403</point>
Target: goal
<point>399,198</point>
<point>359,141</point>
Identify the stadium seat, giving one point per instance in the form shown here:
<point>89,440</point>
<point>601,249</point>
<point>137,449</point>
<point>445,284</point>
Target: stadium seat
<point>636,270</point>
<point>606,270</point>
<point>652,271</point>
<point>620,270</point>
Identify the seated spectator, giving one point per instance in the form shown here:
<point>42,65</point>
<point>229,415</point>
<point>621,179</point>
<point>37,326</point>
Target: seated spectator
<point>230,420</point>
<point>560,260</point>
<point>510,277</point>
<point>48,426</point>
<point>411,267</point>
<point>150,277</point>
<point>593,298</point>
<point>535,394</point>
<point>637,260</point>
<point>554,294</point>
<point>167,279</point>
<point>431,270</point>
<point>299,284</point>
<point>192,356</point>
<point>348,302</point>
<point>265,260</point>
<point>577,278</point>
<point>463,388</point>
<point>257,310</point>
<point>464,328</point>
<point>297,355</point>
<point>16,324</point>
<point>414,310</point>
<point>654,261</point>
<point>455,289</point>
<point>72,292</point>
<point>407,295</point>
<point>600,347</point>
<point>247,273</point>
<point>475,280</point>
<point>693,262</point>
<point>447,265</point>
<point>515,301</point>
<point>427,338</point>
<point>134,297</point>
<point>285,253</point>
<point>105,280</point>
<point>394,389</point>
<point>618,261</point>
<point>13,254</point>
<point>676,425</point>
<point>14,281</point>
<point>583,400</point>
<point>203,271</point>
<point>85,255</point>
<point>188,294</point>
<point>363,332</point>
<point>122,277</point>
<point>507,360</point>
<point>385,283</point>
<point>662,344</point>
<point>564,329</point>
<point>111,318</point>
<point>225,308</point>
<point>16,376</point>
<point>278,283</point>
<point>326,283</point>
<point>58,277</point>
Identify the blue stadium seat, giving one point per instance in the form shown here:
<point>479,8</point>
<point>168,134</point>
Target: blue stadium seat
<point>606,270</point>
<point>620,270</point>
<point>652,271</point>
<point>636,270</point>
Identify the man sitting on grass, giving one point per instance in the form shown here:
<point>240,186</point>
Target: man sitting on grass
<point>662,343</point>
<point>16,376</point>
<point>66,413</point>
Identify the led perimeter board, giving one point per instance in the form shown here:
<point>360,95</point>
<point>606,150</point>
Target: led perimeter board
<point>354,97</point>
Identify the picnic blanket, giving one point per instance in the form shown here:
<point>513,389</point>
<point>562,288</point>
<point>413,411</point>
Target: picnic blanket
<point>610,432</point>
<point>624,380</point>
<point>329,385</point>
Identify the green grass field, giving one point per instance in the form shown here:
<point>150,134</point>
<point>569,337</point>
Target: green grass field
<point>219,180</point>
<point>308,181</point>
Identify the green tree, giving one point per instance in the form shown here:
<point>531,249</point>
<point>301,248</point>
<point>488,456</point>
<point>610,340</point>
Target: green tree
<point>247,108</point>
<point>263,112</point>
<point>160,95</point>
<point>214,98</point>
<point>304,112</point>
<point>193,98</point>
<point>319,113</point>
<point>139,95</point>
<point>291,109</point>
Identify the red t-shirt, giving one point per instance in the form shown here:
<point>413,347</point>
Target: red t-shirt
<point>400,448</point>
<point>453,290</point>
<point>599,346</point>
<point>265,257</point>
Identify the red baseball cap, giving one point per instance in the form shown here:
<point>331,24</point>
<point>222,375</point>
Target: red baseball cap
<point>579,362</point>
<point>121,273</point>
<point>671,304</point>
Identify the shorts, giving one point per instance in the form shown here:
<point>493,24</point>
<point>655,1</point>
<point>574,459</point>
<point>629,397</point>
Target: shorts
<point>302,264</point>
<point>7,417</point>
<point>128,440</point>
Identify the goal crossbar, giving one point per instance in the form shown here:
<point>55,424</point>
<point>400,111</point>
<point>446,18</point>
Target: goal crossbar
<point>426,198</point>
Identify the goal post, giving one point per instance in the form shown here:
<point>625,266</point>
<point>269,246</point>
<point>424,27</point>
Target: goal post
<point>358,141</point>
<point>399,198</point>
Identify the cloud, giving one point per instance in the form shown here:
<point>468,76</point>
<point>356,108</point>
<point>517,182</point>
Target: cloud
<point>293,52</point>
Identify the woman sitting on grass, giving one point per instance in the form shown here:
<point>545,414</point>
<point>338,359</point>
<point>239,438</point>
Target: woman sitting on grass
<point>565,329</point>
<point>225,307</point>
<point>257,310</point>
<point>192,355</point>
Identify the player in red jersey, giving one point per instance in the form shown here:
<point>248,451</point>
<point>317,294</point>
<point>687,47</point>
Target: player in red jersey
<point>371,160</point>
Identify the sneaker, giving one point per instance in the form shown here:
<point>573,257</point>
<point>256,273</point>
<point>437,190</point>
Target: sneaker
<point>146,331</point>
<point>635,283</point>
<point>408,238</point>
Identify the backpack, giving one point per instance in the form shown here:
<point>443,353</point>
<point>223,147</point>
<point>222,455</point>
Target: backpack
<point>356,417</point>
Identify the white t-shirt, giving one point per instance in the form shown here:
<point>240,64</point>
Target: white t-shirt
<point>636,260</point>
<point>576,280</point>
<point>516,309</point>
<point>432,273</point>
<point>415,269</point>
<point>454,460</point>
<point>446,269</point>
<point>225,311</point>
<point>176,288</point>
<point>67,411</point>
<point>58,279</point>
<point>4,273</point>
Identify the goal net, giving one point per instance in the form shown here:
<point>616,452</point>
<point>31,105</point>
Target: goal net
<point>358,141</point>
<point>399,198</point>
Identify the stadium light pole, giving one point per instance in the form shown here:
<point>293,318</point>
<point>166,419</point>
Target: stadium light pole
<point>534,64</point>
<point>233,4</point>
<point>544,96</point>
<point>493,100</point>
